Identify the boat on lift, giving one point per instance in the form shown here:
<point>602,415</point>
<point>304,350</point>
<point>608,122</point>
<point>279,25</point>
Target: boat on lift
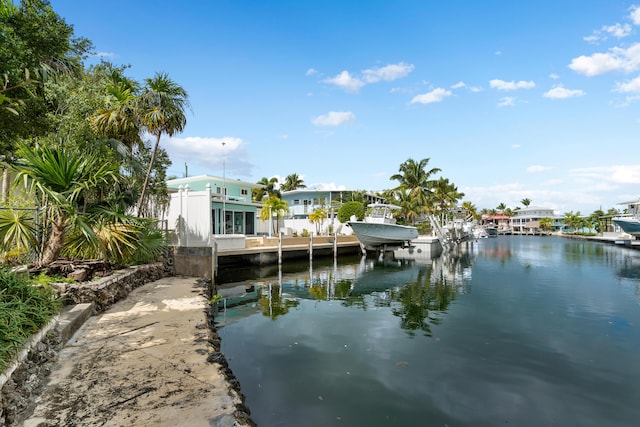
<point>379,230</point>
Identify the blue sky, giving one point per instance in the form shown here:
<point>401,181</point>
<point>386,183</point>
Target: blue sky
<point>510,99</point>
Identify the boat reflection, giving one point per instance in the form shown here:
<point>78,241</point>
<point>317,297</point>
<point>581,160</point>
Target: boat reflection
<point>418,292</point>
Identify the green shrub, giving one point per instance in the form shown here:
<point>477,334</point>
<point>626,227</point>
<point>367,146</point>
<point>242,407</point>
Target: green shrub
<point>350,208</point>
<point>24,309</point>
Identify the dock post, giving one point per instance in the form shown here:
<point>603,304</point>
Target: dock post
<point>280,249</point>
<point>335,245</point>
<point>214,271</point>
<point>310,247</point>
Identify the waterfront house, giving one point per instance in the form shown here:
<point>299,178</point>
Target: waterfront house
<point>303,202</point>
<point>527,220</point>
<point>204,206</point>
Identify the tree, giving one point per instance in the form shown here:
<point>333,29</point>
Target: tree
<point>501,207</point>
<point>415,180</point>
<point>35,45</point>
<point>317,217</point>
<point>273,205</point>
<point>269,189</point>
<point>471,208</point>
<point>573,221</point>
<point>118,116</point>
<point>445,195</point>
<point>348,209</point>
<point>546,223</point>
<point>162,106</point>
<point>292,182</point>
<point>62,180</point>
<point>525,202</point>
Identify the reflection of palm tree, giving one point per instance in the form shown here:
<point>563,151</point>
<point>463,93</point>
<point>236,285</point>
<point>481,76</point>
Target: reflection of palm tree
<point>274,304</point>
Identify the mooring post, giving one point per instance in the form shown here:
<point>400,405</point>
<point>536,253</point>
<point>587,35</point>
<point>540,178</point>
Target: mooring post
<point>279,248</point>
<point>310,247</point>
<point>335,245</point>
<point>214,271</point>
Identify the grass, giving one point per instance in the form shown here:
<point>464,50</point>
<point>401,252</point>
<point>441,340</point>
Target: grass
<point>25,307</point>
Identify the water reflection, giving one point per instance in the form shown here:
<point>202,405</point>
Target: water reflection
<point>418,292</point>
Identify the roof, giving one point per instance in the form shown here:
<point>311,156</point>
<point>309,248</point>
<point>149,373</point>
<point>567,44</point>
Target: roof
<point>206,178</point>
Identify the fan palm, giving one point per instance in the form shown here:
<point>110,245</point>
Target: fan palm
<point>162,111</point>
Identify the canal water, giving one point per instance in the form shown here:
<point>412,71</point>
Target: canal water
<point>513,330</point>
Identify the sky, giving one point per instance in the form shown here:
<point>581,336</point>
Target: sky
<point>511,100</point>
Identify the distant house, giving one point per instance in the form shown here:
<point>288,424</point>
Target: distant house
<point>499,220</point>
<point>527,219</point>
<point>204,206</point>
<point>303,202</point>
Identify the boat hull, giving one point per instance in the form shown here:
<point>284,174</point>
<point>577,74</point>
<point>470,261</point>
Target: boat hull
<point>629,225</point>
<point>374,235</point>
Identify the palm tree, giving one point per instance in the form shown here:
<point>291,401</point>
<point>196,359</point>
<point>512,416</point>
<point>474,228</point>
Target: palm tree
<point>445,195</point>
<point>62,180</point>
<point>269,188</point>
<point>317,217</point>
<point>471,208</point>
<point>162,108</point>
<point>415,180</point>
<point>525,202</point>
<point>501,207</point>
<point>546,223</point>
<point>292,182</point>
<point>273,205</point>
<point>118,117</point>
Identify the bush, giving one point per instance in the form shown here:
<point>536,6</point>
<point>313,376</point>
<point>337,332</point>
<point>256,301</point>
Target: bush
<point>24,309</point>
<point>351,208</point>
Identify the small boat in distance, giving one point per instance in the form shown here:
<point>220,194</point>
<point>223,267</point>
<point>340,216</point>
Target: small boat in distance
<point>379,229</point>
<point>630,221</point>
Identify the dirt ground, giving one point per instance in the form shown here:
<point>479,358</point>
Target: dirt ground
<point>143,362</point>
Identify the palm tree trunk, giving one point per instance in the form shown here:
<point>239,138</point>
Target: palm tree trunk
<point>5,185</point>
<point>55,242</point>
<point>146,178</point>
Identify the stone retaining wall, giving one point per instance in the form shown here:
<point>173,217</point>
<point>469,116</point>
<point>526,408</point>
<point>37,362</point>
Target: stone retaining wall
<point>25,378</point>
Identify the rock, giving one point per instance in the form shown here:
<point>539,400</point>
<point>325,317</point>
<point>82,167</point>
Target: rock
<point>79,275</point>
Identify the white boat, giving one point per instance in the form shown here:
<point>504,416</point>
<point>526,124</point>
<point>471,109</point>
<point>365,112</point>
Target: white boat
<point>629,222</point>
<point>379,228</point>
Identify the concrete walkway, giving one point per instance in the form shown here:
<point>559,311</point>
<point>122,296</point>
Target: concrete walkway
<point>143,362</point>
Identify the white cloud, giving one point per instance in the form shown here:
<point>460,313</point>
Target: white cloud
<point>617,30</point>
<point>436,95</point>
<point>632,86</point>
<point>634,14</point>
<point>512,85</point>
<point>311,72</point>
<point>620,174</point>
<point>560,92</point>
<point>387,73</point>
<point>326,186</point>
<point>616,59</point>
<point>507,101</point>
<point>459,85</point>
<point>515,146</point>
<point>351,83</point>
<point>537,168</point>
<point>206,154</point>
<point>334,118</point>
<point>346,81</point>
<point>554,76</point>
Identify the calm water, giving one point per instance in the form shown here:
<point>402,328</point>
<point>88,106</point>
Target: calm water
<point>520,331</point>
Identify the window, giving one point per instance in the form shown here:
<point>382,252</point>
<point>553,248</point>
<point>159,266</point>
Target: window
<point>244,191</point>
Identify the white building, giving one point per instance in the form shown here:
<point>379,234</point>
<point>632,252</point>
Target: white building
<point>303,202</point>
<point>527,219</point>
